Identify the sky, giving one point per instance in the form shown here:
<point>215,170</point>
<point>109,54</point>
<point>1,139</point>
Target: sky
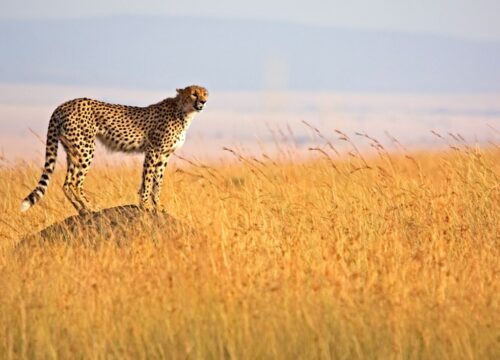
<point>466,19</point>
<point>365,78</point>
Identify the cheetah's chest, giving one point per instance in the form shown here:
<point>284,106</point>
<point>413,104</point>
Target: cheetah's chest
<point>181,138</point>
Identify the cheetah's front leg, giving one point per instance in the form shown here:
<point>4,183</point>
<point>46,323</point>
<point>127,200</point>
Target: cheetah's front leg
<point>158,180</point>
<point>148,171</point>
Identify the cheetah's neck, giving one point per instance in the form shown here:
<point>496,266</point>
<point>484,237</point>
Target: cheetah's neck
<point>188,118</point>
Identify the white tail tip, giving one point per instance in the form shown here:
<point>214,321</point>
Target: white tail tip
<point>25,205</point>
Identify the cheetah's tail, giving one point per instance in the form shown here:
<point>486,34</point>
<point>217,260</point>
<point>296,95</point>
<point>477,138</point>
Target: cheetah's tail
<point>50,164</point>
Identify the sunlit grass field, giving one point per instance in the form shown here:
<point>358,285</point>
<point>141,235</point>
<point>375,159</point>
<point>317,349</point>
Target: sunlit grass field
<point>389,255</point>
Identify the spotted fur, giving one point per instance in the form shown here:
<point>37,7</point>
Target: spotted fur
<point>156,130</point>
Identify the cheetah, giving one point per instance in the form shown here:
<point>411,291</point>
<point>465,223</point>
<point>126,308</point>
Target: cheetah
<point>156,130</point>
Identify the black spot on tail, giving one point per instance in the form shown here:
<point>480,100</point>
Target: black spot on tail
<point>32,198</point>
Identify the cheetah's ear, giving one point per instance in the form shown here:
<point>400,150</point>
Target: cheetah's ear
<point>178,91</point>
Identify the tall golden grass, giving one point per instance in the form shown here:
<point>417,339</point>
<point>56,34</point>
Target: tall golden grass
<point>388,255</point>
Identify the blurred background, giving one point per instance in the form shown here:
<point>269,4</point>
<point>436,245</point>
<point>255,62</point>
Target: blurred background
<point>387,68</point>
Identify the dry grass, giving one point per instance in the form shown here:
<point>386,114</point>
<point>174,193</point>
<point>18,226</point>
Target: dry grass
<point>392,256</point>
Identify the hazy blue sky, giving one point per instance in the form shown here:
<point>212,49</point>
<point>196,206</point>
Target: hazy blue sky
<point>477,19</point>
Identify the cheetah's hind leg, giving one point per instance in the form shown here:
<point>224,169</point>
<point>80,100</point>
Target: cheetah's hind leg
<point>78,167</point>
<point>81,172</point>
<point>69,189</point>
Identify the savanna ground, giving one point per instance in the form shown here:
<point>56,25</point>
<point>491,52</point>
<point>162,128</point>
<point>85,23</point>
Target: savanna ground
<point>388,255</point>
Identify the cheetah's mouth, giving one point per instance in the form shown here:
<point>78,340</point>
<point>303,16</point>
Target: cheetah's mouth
<point>198,107</point>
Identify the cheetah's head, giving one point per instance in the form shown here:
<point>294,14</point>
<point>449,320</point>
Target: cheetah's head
<point>192,98</point>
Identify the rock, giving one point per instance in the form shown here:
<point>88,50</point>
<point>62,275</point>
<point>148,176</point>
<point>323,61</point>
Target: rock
<point>121,224</point>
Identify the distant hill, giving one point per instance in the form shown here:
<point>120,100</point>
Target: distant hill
<point>164,52</point>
